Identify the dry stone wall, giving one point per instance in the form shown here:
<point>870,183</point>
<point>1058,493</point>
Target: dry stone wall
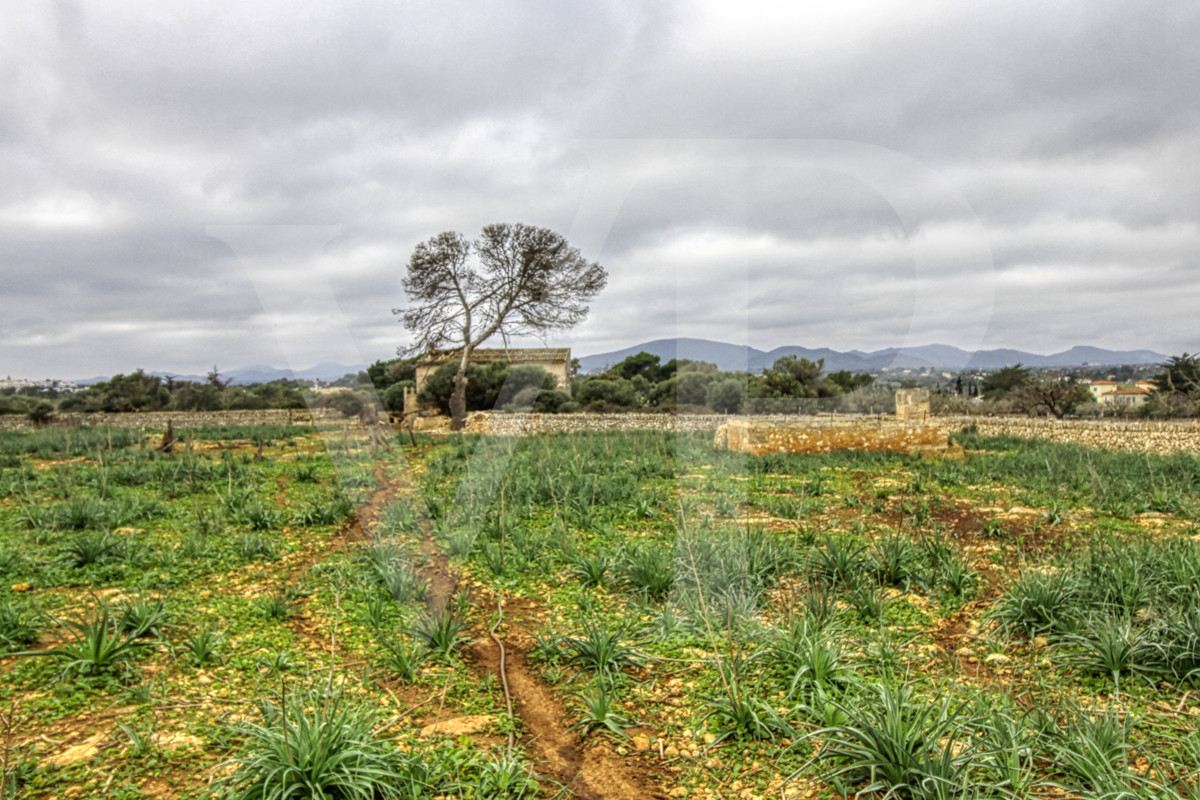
<point>527,424</point>
<point>1151,436</point>
<point>818,435</point>
<point>1157,436</point>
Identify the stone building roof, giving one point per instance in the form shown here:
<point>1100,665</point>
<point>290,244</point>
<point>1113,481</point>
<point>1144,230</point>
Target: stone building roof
<point>529,355</point>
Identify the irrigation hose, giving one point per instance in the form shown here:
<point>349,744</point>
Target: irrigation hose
<point>504,675</point>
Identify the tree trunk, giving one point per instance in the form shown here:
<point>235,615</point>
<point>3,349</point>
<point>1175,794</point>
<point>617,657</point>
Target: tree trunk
<point>458,401</point>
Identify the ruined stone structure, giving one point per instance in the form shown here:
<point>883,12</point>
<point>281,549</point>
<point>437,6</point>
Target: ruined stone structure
<point>909,431</point>
<point>912,404</point>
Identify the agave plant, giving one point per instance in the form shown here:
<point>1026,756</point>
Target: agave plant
<point>599,712</point>
<point>321,745</point>
<point>901,745</point>
<point>602,649</point>
<point>440,630</point>
<point>19,626</point>
<point>100,644</point>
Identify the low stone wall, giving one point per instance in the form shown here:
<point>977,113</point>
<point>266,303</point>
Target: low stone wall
<point>157,420</point>
<point>528,424</point>
<point>1158,436</point>
<point>819,435</point>
<point>1151,436</point>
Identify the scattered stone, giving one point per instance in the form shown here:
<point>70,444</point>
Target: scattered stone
<point>75,754</point>
<point>641,743</point>
<point>22,587</point>
<point>180,741</point>
<point>457,726</point>
<point>996,658</point>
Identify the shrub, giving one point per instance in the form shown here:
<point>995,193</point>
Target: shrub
<point>726,396</point>
<point>522,386</point>
<point>615,392</point>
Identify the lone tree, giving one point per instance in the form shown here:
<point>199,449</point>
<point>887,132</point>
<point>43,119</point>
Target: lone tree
<point>1045,393</point>
<point>514,280</point>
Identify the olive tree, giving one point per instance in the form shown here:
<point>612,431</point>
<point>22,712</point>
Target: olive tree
<point>514,280</point>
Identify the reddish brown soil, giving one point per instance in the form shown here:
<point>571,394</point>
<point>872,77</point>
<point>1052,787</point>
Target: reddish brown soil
<point>589,773</point>
<point>592,773</point>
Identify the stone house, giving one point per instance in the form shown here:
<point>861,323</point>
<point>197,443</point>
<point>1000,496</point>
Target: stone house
<point>555,360</point>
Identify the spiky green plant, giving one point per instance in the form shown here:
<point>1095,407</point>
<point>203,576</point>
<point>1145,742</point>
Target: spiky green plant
<point>838,561</point>
<point>440,630</point>
<point>99,644</point>
<point>402,583</point>
<point>276,606</point>
<point>600,712</point>
<point>601,649</point>
<point>1038,602</point>
<point>1111,646</point>
<point>650,569</point>
<point>590,570</point>
<point>254,546</point>
<point>89,547</point>
<point>142,616</point>
<point>202,647</point>
<point>805,655</point>
<point>901,745</point>
<point>400,657</point>
<point>548,646</point>
<point>19,626</point>
<point>1093,749</point>
<point>504,776</point>
<point>321,745</point>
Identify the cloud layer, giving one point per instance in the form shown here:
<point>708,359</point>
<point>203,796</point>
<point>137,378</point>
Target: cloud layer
<point>1021,175</point>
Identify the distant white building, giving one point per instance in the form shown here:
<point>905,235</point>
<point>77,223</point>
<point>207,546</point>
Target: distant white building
<point>47,383</point>
<point>1111,393</point>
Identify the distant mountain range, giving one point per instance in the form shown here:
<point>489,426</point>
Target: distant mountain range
<point>740,357</point>
<point>933,356</point>
<point>258,373</point>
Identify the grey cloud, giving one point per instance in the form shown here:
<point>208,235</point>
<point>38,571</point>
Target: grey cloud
<point>1069,129</point>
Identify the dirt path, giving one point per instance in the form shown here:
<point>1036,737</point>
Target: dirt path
<point>592,773</point>
<point>595,773</point>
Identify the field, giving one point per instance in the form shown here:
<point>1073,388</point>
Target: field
<point>280,612</point>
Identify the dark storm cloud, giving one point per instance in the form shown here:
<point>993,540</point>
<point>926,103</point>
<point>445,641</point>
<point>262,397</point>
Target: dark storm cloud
<point>1062,139</point>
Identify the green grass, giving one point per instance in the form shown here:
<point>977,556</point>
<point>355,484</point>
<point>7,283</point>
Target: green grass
<point>779,607</point>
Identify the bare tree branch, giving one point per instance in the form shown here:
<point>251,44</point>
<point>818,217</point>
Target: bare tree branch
<point>525,281</point>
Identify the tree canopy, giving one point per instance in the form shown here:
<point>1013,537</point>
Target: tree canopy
<point>514,280</point>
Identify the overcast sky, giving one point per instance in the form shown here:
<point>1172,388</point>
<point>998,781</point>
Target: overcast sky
<point>183,184</point>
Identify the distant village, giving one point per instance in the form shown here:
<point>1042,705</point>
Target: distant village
<point>39,387</point>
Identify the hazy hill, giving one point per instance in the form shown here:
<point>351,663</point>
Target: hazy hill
<point>256,373</point>
<point>933,356</point>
